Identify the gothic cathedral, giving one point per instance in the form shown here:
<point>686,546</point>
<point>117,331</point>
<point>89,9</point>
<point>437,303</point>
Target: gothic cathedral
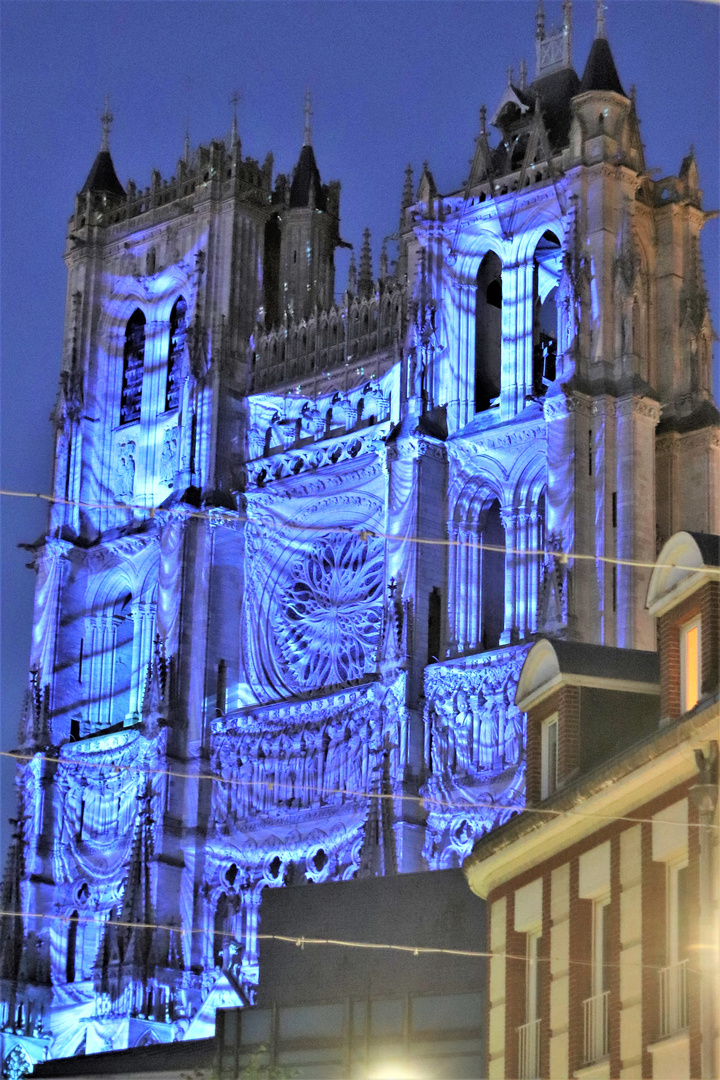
<point>300,548</point>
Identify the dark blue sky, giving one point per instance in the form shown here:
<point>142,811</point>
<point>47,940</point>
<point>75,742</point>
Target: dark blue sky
<point>393,81</point>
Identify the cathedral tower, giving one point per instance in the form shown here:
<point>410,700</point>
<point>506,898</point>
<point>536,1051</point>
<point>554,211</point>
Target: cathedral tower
<point>299,549</point>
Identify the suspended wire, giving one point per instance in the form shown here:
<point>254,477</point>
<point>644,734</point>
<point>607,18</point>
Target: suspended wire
<point>300,941</point>
<point>230,517</point>
<point>426,801</point>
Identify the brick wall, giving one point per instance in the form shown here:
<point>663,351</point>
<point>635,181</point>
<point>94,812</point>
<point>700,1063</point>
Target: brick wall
<point>706,603</point>
<point>566,703</point>
<point>516,946</point>
<point>653,943</point>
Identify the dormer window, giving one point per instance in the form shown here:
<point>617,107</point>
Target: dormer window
<point>690,664</point>
<point>549,783</point>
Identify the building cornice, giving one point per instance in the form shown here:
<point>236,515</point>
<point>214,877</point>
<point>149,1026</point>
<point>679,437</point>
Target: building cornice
<point>612,791</point>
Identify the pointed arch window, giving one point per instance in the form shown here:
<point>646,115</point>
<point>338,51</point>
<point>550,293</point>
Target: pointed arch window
<point>220,924</point>
<point>70,959</point>
<point>488,332</point>
<point>546,272</point>
<point>133,364</point>
<point>178,327</point>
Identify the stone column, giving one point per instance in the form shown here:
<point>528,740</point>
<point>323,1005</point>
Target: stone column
<point>705,798</point>
<point>452,589</point>
<point>509,518</point>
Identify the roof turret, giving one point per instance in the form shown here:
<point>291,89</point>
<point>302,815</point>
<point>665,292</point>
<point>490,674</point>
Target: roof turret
<point>102,177</point>
<point>306,183</point>
<point>600,71</point>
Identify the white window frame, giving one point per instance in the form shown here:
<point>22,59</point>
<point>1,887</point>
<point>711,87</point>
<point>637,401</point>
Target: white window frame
<point>532,1004</point>
<point>672,910</point>
<point>685,631</point>
<point>600,906</point>
<point>549,782</point>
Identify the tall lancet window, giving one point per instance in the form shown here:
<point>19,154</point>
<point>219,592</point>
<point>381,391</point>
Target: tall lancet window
<point>488,332</point>
<point>70,959</point>
<point>492,575</point>
<point>546,273</point>
<point>133,363</point>
<point>178,326</point>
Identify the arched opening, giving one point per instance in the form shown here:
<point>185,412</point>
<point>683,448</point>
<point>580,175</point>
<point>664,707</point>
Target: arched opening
<point>434,625</point>
<point>133,363</point>
<point>488,332</point>
<point>492,548</point>
<point>178,326</point>
<point>122,661</point>
<point>271,271</point>
<point>220,929</point>
<point>70,959</point>
<point>546,274</point>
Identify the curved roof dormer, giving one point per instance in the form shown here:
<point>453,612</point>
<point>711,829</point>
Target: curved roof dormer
<point>681,568</point>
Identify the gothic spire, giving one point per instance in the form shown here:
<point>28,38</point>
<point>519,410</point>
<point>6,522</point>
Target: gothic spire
<point>540,21</point>
<point>383,261</point>
<point>352,275</point>
<point>307,134</point>
<point>600,71</point>
<point>11,922</point>
<point>407,194</point>
<point>234,99</point>
<point>106,120</point>
<point>365,277</point>
<point>102,178</point>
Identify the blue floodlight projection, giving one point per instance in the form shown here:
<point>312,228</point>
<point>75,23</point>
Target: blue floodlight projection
<point>301,548</point>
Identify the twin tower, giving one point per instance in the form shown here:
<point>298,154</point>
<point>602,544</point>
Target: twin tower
<point>300,547</point>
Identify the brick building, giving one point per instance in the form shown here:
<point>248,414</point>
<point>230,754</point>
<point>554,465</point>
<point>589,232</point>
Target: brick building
<point>603,895</point>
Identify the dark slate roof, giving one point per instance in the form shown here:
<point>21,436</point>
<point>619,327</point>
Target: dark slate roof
<point>556,91</point>
<point>605,661</point>
<point>600,71</point>
<point>159,1057</point>
<point>102,177</point>
<point>709,545</point>
<point>305,178</point>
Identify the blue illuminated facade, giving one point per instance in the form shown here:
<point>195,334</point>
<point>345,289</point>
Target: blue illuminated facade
<point>301,548</point>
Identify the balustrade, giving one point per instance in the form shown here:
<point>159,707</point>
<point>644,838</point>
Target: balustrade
<point>344,335</point>
<point>673,998</point>
<point>529,1051</point>
<point>596,1042</point>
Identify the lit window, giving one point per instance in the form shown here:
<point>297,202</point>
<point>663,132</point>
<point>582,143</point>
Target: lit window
<point>690,672</point>
<point>549,783</point>
<point>673,977</point>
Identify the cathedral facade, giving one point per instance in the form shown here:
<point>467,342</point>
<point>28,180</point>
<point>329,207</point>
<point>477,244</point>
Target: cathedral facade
<point>300,547</point>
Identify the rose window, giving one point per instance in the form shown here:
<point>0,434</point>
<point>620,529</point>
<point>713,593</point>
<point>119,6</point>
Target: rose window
<point>328,612</point>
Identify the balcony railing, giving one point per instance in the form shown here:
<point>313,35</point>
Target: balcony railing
<point>673,998</point>
<point>529,1051</point>
<point>596,1042</point>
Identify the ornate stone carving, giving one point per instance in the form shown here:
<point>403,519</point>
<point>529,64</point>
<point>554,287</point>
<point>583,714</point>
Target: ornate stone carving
<point>327,612</point>
<point>475,747</point>
<point>124,482</point>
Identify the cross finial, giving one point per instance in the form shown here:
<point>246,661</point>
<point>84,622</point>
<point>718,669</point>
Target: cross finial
<point>483,120</point>
<point>234,99</point>
<point>106,120</point>
<point>510,74</point>
<point>523,75</point>
<point>307,136</point>
<point>600,20</point>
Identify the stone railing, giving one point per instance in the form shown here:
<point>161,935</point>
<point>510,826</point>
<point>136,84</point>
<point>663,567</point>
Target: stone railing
<point>345,334</point>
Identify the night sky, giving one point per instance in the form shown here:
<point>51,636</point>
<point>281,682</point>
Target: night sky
<point>392,83</point>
